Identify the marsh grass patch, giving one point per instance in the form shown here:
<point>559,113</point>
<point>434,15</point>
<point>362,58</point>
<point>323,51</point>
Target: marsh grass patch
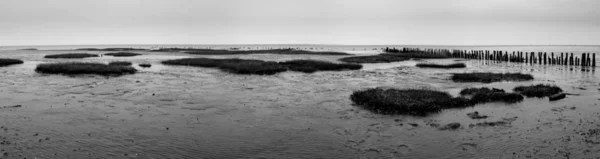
<point>7,62</point>
<point>122,54</point>
<point>373,59</point>
<point>70,56</point>
<point>253,67</point>
<point>310,66</point>
<point>76,68</point>
<point>540,90</point>
<point>119,63</point>
<point>259,67</point>
<point>145,65</point>
<point>111,49</point>
<point>406,101</point>
<point>490,77</point>
<point>446,66</point>
<point>418,55</point>
<point>485,95</point>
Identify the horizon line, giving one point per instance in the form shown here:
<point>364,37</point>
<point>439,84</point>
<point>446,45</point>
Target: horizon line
<point>309,44</point>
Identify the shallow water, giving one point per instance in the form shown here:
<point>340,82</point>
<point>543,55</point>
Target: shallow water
<point>188,112</point>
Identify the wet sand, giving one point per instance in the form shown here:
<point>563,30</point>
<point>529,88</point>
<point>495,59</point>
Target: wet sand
<point>191,112</point>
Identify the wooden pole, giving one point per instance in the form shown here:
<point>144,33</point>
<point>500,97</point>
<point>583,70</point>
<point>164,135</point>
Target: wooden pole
<point>561,60</point>
<point>594,60</point>
<point>583,59</point>
<point>589,59</point>
<point>552,58</point>
<point>545,56</point>
<point>540,58</point>
<point>571,60</point>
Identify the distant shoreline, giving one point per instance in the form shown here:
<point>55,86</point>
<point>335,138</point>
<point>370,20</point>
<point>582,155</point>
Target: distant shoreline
<point>345,45</point>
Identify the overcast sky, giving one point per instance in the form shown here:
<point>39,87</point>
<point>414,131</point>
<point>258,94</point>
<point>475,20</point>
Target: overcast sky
<point>433,22</point>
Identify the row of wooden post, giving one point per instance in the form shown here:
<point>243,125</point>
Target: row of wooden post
<point>586,59</point>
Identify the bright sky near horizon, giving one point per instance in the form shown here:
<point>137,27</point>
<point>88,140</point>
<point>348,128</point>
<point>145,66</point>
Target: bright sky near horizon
<point>351,22</point>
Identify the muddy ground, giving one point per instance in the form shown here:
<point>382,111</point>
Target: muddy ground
<point>190,112</point>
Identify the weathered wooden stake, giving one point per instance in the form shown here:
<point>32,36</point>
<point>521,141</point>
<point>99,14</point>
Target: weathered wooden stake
<point>545,57</point>
<point>583,59</point>
<point>552,56</point>
<point>589,60</point>
<point>594,60</point>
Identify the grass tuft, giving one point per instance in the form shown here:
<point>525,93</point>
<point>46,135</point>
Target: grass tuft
<point>473,91</point>
<point>7,62</point>
<point>539,90</point>
<point>484,95</point>
<point>423,102</point>
<point>145,65</point>
<point>252,67</point>
<point>310,66</point>
<point>243,66</point>
<point>451,126</point>
<point>476,115</point>
<point>373,59</point>
<point>490,77</point>
<point>119,63</point>
<point>70,56</point>
<point>407,101</point>
<point>122,54</point>
<point>76,68</point>
<point>430,65</point>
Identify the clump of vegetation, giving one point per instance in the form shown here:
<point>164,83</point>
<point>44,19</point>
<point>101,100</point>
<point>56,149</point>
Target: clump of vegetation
<point>476,115</point>
<point>310,66</point>
<point>111,49</point>
<point>473,91</point>
<point>493,123</point>
<point>419,55</point>
<point>122,54</point>
<point>540,90</point>
<point>7,62</point>
<point>407,101</point>
<point>145,65</point>
<point>75,68</point>
<point>503,122</point>
<point>430,65</point>
<point>451,126</point>
<point>70,56</point>
<point>395,55</point>
<point>240,66</point>
<point>490,77</point>
<point>256,67</point>
<point>175,49</point>
<point>373,59</point>
<point>484,95</point>
<point>558,96</point>
<point>202,62</point>
<point>196,51</point>
<point>497,97</point>
<point>243,66</point>
<point>119,63</point>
